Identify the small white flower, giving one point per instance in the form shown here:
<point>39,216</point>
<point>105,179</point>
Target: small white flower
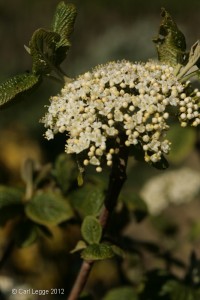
<point>120,98</point>
<point>49,134</point>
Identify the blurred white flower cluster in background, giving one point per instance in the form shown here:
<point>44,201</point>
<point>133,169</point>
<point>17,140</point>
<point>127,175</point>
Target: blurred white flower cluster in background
<point>118,99</point>
<point>173,187</point>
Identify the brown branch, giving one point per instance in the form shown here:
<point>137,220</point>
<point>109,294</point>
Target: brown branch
<point>116,182</point>
<point>81,280</point>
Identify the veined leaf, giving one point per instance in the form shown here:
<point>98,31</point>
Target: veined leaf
<point>170,43</point>
<point>87,200</point>
<point>194,59</point>
<point>42,48</point>
<point>16,87</point>
<point>194,54</point>
<point>97,252</point>
<point>91,230</point>
<point>63,24</point>
<point>48,209</point>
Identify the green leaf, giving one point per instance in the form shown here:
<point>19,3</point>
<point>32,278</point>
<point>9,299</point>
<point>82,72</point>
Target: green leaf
<point>48,208</point>
<point>125,293</point>
<point>183,141</point>
<point>194,59</point>
<point>91,230</point>
<point>79,246</point>
<point>63,24</point>
<point>118,251</point>
<point>97,252</point>
<point>87,200</point>
<point>65,171</point>
<point>10,203</point>
<point>42,49</point>
<point>177,290</point>
<point>170,42</point>
<point>9,196</point>
<point>85,296</point>
<point>16,87</point>
<point>194,54</point>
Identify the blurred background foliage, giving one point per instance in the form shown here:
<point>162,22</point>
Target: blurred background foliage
<point>104,30</point>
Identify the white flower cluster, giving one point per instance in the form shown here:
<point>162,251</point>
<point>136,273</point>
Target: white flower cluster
<point>120,98</point>
<point>173,187</point>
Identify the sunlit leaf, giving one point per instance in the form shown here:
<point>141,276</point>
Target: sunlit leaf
<point>80,179</point>
<point>170,42</point>
<point>193,59</point>
<point>48,208</point>
<point>79,246</point>
<point>97,252</point>
<point>16,87</point>
<point>125,293</point>
<point>194,54</point>
<point>91,230</point>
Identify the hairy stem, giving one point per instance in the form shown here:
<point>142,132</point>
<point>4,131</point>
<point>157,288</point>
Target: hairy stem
<point>116,182</point>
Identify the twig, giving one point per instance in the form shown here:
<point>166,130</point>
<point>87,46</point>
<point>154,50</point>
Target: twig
<point>116,182</point>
